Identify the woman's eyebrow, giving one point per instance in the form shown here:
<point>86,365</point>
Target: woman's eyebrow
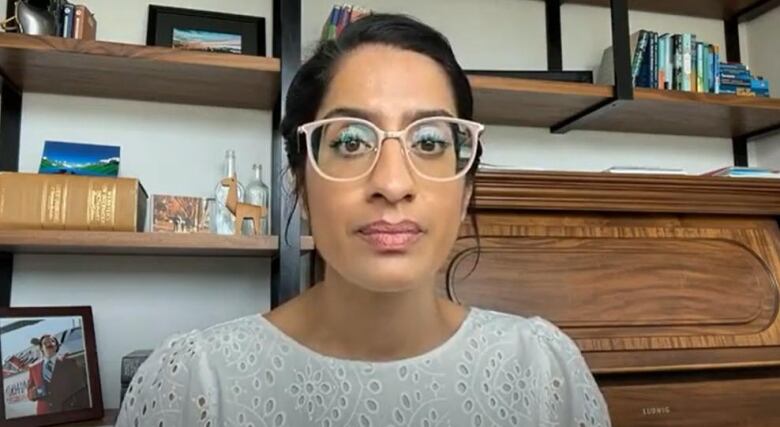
<point>349,112</point>
<point>411,116</point>
<point>408,116</point>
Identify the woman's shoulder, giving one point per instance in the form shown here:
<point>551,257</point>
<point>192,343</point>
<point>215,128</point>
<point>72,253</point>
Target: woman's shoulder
<point>529,331</point>
<point>221,338</point>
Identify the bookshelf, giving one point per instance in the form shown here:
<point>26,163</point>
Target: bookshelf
<point>102,69</point>
<point>57,65</point>
<point>714,9</point>
<point>131,243</point>
<point>538,103</point>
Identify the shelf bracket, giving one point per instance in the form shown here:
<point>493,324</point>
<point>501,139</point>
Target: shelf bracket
<point>624,82</point>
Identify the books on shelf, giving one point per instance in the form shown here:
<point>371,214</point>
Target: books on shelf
<point>75,21</point>
<point>341,16</point>
<point>71,202</point>
<point>744,172</point>
<point>681,62</point>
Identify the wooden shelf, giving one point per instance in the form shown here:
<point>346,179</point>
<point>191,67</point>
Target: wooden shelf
<point>715,9</point>
<point>690,114</point>
<point>609,192</point>
<point>112,70</point>
<point>129,243</point>
<point>524,102</point>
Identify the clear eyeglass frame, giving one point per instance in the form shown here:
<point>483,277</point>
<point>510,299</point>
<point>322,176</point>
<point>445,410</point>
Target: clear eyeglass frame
<point>476,129</point>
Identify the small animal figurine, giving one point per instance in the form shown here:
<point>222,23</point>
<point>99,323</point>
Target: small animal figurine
<point>242,210</point>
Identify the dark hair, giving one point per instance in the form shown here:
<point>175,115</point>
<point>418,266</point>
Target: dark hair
<point>310,83</point>
<point>39,341</point>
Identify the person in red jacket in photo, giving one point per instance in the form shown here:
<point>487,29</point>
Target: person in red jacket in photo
<point>57,384</point>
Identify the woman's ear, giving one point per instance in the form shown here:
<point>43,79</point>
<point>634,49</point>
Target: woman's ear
<point>466,199</point>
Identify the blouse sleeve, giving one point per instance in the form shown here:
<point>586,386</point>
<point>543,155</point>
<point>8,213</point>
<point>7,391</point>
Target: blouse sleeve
<point>571,396</point>
<point>173,387</point>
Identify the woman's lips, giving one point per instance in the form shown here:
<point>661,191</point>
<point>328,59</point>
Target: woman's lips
<point>384,236</point>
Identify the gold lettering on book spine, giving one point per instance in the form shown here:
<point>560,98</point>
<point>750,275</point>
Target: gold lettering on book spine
<point>102,204</point>
<point>53,203</point>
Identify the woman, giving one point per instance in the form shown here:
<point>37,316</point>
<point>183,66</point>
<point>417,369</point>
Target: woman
<point>384,157</point>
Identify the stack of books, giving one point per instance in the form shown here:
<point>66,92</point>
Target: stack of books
<point>75,21</point>
<point>341,16</point>
<point>744,172</point>
<point>735,78</point>
<point>680,62</point>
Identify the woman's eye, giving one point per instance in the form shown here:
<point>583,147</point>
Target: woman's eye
<point>430,144</point>
<point>351,143</point>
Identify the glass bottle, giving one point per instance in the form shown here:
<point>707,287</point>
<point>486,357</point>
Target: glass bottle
<point>257,193</point>
<point>224,220</point>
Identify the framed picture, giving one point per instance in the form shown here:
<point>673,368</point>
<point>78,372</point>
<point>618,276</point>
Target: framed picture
<point>50,366</point>
<point>79,159</point>
<point>206,31</point>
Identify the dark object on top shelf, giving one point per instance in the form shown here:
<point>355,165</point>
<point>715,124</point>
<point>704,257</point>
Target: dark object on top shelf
<point>563,76</point>
<point>31,18</point>
<point>207,31</point>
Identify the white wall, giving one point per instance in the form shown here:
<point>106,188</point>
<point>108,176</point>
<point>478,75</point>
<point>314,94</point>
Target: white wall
<point>762,38</point>
<point>139,300</point>
<point>173,149</point>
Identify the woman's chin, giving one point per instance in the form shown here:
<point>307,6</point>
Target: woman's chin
<point>381,277</point>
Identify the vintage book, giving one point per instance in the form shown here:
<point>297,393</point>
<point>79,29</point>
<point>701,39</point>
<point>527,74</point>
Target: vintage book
<point>71,202</point>
<point>179,214</point>
<point>85,25</point>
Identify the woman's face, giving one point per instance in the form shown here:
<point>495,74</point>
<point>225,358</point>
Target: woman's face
<point>393,229</point>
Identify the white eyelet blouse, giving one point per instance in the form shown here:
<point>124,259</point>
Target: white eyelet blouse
<point>496,370</point>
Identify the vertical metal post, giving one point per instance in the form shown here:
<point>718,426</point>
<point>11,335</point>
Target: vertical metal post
<point>554,44</point>
<point>10,126</point>
<point>740,151</point>
<point>621,49</point>
<point>286,267</point>
<point>731,28</point>
<point>733,54</point>
<point>624,83</point>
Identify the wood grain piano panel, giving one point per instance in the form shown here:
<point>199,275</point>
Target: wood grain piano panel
<point>673,289</point>
<point>672,286</point>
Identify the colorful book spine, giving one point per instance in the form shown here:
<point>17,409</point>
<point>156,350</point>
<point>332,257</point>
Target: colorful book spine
<point>686,62</point>
<point>661,61</point>
<point>639,54</point>
<point>67,20</point>
<point>700,67</point>
<point>669,63</point>
<point>678,62</point>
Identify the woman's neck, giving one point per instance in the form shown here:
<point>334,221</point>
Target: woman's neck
<point>340,319</point>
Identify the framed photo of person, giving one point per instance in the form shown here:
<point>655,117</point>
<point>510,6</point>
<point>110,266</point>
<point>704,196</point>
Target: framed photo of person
<point>50,366</point>
<point>206,31</point>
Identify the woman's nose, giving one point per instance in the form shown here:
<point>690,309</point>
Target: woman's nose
<point>392,179</point>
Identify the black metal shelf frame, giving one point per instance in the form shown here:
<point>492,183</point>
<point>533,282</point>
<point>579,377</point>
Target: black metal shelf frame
<point>624,89</point>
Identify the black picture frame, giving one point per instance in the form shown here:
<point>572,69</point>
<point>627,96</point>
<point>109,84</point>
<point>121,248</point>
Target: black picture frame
<point>163,20</point>
<point>17,372</point>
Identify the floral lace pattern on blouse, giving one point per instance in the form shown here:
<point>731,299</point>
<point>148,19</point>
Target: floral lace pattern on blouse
<point>496,370</point>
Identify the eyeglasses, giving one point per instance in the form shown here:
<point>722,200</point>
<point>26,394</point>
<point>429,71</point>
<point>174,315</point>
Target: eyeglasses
<point>348,149</point>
